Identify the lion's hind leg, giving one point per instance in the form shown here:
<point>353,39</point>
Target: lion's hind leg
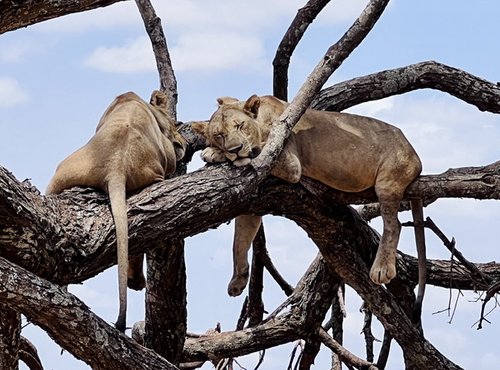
<point>383,269</point>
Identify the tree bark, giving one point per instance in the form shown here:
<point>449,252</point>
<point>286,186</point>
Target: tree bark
<point>71,324</point>
<point>166,304</point>
<point>473,90</point>
<point>10,337</point>
<point>22,13</point>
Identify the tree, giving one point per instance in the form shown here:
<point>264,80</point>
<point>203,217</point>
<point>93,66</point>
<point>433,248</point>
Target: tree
<point>65,250</point>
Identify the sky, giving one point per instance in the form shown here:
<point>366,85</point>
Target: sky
<point>58,77</point>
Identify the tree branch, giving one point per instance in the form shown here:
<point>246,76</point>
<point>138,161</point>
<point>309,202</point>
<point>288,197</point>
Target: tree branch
<point>168,83</point>
<point>21,13</point>
<point>289,42</point>
<point>473,90</point>
<point>71,324</point>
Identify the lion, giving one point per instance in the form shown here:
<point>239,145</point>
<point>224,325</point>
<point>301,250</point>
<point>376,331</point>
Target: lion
<point>347,152</point>
<point>135,144</point>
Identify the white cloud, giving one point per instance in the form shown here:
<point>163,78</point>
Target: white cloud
<point>201,52</point>
<point>135,56</point>
<point>11,92</point>
<point>215,52</point>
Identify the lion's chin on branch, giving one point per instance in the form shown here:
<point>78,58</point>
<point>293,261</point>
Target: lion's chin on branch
<point>344,151</point>
<point>135,145</point>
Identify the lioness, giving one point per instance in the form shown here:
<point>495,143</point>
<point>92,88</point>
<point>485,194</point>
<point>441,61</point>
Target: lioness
<point>135,145</point>
<point>344,151</point>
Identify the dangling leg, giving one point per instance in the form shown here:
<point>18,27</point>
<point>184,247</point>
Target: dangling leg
<point>245,229</point>
<point>384,266</point>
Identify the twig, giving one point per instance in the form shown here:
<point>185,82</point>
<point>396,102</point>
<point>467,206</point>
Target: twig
<point>367,332</point>
<point>298,344</point>
<point>455,252</point>
<point>263,255</point>
<point>494,289</point>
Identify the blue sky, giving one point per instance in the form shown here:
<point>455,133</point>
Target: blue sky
<point>58,77</point>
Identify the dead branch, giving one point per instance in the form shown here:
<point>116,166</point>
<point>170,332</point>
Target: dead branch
<point>305,16</point>
<point>19,13</point>
<point>344,355</point>
<point>476,274</point>
<point>264,257</point>
<point>490,293</point>
<point>168,83</point>
<point>425,75</point>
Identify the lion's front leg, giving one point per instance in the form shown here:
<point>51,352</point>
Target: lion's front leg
<point>245,229</point>
<point>288,166</point>
<point>213,155</point>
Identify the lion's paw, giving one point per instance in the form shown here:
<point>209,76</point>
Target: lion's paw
<point>236,285</point>
<point>382,273</point>
<point>212,155</point>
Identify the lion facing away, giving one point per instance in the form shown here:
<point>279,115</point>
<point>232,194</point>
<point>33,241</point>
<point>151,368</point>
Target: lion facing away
<point>347,152</point>
<point>135,145</point>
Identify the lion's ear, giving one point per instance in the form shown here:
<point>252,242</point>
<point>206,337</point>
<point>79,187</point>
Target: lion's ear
<point>252,106</point>
<point>159,99</point>
<point>226,100</point>
<point>200,128</point>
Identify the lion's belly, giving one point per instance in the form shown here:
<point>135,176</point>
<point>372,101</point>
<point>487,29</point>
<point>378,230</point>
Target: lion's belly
<point>340,159</point>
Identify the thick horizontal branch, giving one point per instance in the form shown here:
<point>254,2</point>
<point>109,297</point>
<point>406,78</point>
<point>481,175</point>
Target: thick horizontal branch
<point>483,94</point>
<point>71,323</point>
<point>21,13</point>
<point>69,238</point>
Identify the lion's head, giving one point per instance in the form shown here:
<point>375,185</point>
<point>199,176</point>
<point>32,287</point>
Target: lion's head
<point>158,102</point>
<point>235,129</point>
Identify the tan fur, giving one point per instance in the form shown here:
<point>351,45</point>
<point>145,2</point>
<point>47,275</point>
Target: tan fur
<point>135,145</point>
<point>344,151</point>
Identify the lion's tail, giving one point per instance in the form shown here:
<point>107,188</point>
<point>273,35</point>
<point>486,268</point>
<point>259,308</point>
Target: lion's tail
<point>117,190</point>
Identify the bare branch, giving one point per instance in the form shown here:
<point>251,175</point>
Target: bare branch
<point>473,90</point>
<point>289,42</point>
<point>29,355</point>
<point>168,83</point>
<point>71,324</point>
<point>20,13</point>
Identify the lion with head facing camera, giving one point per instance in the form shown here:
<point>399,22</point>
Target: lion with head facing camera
<point>135,145</point>
<point>347,152</point>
